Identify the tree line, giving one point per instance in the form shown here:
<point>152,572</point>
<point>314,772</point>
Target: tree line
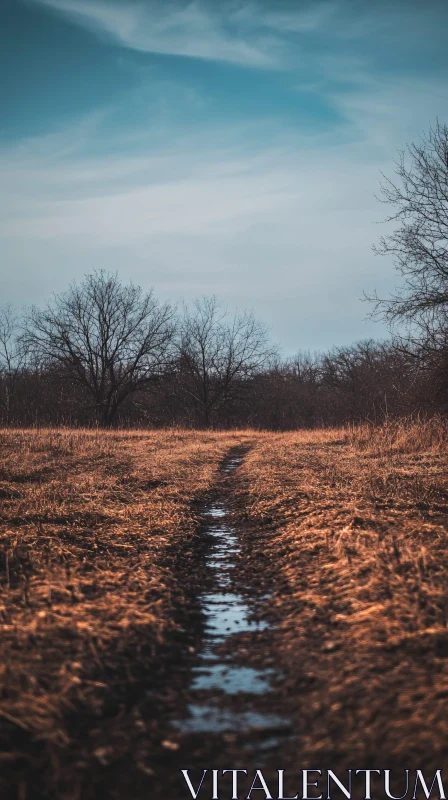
<point>106,353</point>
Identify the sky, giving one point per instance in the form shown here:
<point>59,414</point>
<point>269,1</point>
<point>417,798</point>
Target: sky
<point>227,147</point>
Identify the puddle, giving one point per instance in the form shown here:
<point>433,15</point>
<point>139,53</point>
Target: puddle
<point>231,680</point>
<point>212,719</point>
<point>227,614</point>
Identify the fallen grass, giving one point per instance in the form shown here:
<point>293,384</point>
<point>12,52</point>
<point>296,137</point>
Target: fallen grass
<point>349,531</point>
<point>92,527</point>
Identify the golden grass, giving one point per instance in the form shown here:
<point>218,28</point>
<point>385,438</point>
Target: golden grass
<point>91,527</point>
<point>347,527</point>
<point>407,436</point>
<point>351,528</point>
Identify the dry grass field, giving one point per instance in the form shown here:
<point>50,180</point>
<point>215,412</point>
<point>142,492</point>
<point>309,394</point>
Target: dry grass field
<point>94,530</point>
<point>346,529</point>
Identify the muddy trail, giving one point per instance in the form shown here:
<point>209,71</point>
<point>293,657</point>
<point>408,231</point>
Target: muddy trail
<point>206,694</point>
<point>284,611</point>
<point>224,708</point>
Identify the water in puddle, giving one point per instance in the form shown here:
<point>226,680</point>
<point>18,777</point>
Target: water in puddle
<point>212,719</point>
<point>231,680</point>
<point>226,614</point>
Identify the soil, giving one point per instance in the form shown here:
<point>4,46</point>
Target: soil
<point>307,630</point>
<point>219,706</point>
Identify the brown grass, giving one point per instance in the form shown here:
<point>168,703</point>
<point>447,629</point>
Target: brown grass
<point>92,526</point>
<point>350,530</point>
<point>347,528</point>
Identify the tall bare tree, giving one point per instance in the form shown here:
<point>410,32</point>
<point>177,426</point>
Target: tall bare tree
<point>218,352</point>
<point>106,338</point>
<point>419,246</point>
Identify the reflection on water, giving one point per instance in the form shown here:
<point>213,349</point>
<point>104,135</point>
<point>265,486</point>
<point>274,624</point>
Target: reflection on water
<point>214,719</point>
<point>231,679</point>
<point>227,614</point>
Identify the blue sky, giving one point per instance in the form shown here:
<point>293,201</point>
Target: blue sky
<point>230,148</point>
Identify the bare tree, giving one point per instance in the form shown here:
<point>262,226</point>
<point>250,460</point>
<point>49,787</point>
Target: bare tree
<point>218,353</point>
<point>12,356</point>
<point>106,338</point>
<point>368,380</point>
<point>419,245</point>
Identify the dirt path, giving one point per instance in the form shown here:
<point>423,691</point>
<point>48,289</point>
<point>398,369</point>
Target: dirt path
<point>226,713</point>
<point>101,569</point>
<point>297,600</point>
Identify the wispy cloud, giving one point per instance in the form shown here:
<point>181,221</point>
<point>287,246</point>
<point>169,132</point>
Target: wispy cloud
<point>252,203</point>
<point>314,18</point>
<point>210,216</point>
<point>184,30</point>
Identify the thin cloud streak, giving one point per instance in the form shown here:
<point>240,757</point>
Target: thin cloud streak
<point>205,202</point>
<point>253,228</point>
<point>191,30</point>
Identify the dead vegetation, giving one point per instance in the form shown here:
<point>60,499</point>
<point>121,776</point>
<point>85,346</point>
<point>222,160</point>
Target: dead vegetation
<point>349,529</point>
<point>93,526</point>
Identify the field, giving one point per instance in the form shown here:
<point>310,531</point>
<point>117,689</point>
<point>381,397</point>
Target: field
<point>350,531</point>
<point>343,538</point>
